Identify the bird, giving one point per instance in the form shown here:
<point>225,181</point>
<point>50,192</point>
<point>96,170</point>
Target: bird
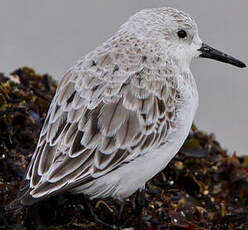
<point>121,112</point>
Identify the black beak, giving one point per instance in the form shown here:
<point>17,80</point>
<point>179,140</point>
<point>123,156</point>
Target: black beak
<point>209,52</point>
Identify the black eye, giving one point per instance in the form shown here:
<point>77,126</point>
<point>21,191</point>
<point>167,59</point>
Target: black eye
<point>182,34</point>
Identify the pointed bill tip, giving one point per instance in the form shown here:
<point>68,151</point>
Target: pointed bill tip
<point>238,63</point>
<point>242,65</point>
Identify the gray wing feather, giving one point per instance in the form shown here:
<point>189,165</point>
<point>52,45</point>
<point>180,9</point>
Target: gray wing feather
<point>102,115</point>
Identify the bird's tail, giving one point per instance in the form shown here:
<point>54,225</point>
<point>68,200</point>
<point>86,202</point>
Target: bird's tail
<point>14,207</point>
<point>23,199</point>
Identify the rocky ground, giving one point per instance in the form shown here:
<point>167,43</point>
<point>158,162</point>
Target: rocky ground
<point>201,188</point>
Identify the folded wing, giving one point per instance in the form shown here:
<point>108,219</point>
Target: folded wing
<point>97,121</point>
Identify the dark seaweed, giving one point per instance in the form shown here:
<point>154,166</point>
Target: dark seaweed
<point>201,188</point>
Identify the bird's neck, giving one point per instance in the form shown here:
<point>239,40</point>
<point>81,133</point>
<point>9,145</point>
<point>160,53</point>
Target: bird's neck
<point>187,83</point>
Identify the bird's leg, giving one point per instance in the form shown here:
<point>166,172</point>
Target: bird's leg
<point>89,209</point>
<point>117,212</point>
<point>121,203</point>
<point>140,204</point>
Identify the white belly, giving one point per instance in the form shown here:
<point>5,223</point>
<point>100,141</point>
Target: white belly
<point>126,179</point>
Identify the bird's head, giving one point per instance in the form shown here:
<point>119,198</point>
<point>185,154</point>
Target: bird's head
<point>176,32</point>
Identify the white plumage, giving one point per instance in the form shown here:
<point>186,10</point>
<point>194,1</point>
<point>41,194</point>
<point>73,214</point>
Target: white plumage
<point>121,113</point>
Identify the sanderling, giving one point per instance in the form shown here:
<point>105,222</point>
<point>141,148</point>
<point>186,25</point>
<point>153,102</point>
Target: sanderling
<point>122,112</point>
